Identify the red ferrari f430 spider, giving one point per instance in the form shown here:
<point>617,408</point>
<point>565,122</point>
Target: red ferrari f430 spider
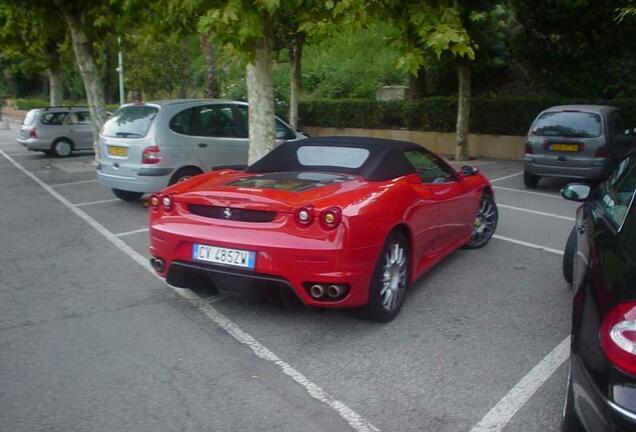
<point>344,222</point>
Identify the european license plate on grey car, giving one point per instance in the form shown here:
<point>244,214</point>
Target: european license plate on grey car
<point>220,255</point>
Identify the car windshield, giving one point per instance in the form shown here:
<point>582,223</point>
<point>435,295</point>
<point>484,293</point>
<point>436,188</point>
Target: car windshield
<point>342,157</point>
<point>130,122</point>
<point>30,118</point>
<point>573,124</point>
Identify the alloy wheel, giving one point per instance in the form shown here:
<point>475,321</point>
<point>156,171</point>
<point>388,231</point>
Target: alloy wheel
<point>485,222</point>
<point>394,276</point>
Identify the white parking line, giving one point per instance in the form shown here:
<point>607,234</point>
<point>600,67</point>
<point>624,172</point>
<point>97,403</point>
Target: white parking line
<point>71,183</point>
<point>506,177</point>
<point>528,192</point>
<point>512,402</point>
<point>525,210</point>
<point>90,203</point>
<point>530,245</point>
<point>357,422</point>
<point>132,232</point>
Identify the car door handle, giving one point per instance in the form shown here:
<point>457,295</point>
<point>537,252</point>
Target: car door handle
<point>202,145</point>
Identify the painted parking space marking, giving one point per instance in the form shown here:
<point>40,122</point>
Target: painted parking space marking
<point>521,393</point>
<point>69,183</point>
<point>528,244</point>
<point>528,192</point>
<point>506,177</point>
<point>127,233</point>
<point>356,421</point>
<point>90,203</point>
<point>537,212</point>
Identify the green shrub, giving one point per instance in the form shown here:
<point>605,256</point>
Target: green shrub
<point>27,104</point>
<point>495,116</point>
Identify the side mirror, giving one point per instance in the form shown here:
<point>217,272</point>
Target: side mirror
<point>576,192</point>
<point>468,171</point>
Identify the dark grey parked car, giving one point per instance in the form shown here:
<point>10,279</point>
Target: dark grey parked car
<point>575,141</point>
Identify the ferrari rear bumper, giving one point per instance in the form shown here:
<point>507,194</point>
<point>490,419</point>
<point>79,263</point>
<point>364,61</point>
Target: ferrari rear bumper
<point>279,262</point>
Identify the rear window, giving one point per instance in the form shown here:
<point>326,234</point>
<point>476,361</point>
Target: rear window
<point>130,122</point>
<point>572,124</point>
<point>53,118</point>
<point>30,118</point>
<point>341,157</point>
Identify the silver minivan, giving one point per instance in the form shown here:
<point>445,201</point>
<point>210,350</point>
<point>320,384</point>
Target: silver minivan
<point>147,146</point>
<point>57,130</point>
<point>575,141</point>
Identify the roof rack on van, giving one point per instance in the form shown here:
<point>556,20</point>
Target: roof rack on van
<point>65,106</point>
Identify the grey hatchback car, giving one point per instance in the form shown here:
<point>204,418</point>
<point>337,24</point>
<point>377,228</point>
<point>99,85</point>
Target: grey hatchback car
<point>575,141</point>
<point>57,130</point>
<point>147,146</point>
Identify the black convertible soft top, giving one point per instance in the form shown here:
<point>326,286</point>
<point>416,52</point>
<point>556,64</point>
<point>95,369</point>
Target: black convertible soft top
<point>386,158</point>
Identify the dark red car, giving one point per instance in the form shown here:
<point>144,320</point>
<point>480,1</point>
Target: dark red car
<point>344,222</point>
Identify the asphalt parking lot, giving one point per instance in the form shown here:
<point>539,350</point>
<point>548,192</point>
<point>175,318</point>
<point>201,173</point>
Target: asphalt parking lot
<point>91,340</point>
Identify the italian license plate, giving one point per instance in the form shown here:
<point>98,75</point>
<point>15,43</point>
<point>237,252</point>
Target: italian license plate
<point>564,147</point>
<point>117,151</point>
<point>219,255</point>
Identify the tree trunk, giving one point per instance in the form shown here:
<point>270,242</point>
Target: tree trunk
<point>295,58</point>
<point>260,95</point>
<point>417,84</point>
<point>89,72</point>
<point>55,86</point>
<point>212,89</point>
<point>463,110</point>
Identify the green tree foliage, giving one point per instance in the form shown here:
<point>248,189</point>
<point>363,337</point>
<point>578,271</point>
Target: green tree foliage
<point>30,41</point>
<point>576,47</point>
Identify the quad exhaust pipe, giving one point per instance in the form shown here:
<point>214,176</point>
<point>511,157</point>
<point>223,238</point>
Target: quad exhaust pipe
<point>317,291</point>
<point>334,291</point>
<point>157,264</point>
<point>327,291</point>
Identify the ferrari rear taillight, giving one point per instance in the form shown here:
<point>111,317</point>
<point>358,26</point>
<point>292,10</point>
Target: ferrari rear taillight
<point>154,201</point>
<point>601,152</point>
<point>167,202</point>
<point>330,218</point>
<point>305,215</point>
<point>33,133</point>
<point>618,337</point>
<point>151,155</point>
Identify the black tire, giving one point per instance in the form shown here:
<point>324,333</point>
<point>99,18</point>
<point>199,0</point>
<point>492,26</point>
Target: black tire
<point>376,309</point>
<point>127,195</point>
<point>568,257</point>
<point>530,181</point>
<point>485,224</point>
<point>184,174</point>
<point>569,420</point>
<point>62,148</point>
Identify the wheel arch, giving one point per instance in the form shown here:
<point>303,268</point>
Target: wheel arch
<point>183,168</point>
<point>488,190</point>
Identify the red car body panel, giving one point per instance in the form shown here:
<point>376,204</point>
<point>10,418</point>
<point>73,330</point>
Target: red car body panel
<point>436,218</point>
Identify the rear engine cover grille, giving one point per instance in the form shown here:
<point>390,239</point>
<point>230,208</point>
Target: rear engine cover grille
<point>231,213</point>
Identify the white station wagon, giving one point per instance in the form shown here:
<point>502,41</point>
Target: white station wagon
<point>145,147</point>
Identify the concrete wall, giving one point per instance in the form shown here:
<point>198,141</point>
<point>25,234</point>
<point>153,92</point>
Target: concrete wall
<point>491,146</point>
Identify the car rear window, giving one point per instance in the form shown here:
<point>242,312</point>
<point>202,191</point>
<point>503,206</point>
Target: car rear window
<point>53,118</point>
<point>572,124</point>
<point>30,118</point>
<point>341,157</point>
<point>130,122</point>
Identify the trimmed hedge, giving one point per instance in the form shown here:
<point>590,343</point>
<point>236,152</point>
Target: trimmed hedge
<point>495,116</point>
